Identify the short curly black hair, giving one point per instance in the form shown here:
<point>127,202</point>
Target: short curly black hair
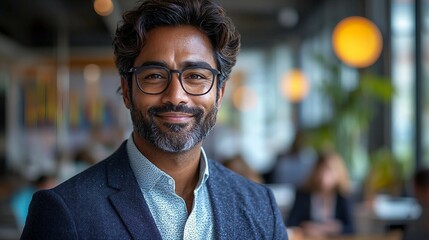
<point>206,15</point>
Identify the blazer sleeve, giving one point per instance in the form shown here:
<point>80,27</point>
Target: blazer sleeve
<point>48,218</point>
<point>344,214</point>
<point>279,226</point>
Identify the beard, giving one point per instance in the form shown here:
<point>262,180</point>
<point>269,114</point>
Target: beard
<point>174,138</point>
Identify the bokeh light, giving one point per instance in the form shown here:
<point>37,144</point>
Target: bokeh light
<point>103,7</point>
<point>295,86</point>
<point>244,98</point>
<point>357,42</point>
<point>92,73</point>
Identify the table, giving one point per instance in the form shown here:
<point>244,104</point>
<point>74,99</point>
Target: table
<point>396,235</point>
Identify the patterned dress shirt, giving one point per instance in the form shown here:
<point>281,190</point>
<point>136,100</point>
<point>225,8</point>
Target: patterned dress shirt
<point>167,208</point>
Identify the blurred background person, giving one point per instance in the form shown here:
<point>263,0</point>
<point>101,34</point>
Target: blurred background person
<point>294,165</point>
<point>82,159</point>
<point>239,165</point>
<point>20,200</point>
<point>419,228</point>
<point>321,207</point>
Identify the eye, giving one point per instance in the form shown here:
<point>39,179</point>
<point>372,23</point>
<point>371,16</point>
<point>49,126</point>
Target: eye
<point>196,74</point>
<point>154,76</point>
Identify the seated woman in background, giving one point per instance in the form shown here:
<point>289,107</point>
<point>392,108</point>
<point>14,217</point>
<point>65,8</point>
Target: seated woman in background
<point>321,207</point>
<point>419,228</point>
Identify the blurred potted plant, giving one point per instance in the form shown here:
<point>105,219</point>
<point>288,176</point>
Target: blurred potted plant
<point>352,111</point>
<point>384,175</point>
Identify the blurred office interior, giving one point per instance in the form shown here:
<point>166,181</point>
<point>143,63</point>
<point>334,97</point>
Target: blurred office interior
<point>58,93</point>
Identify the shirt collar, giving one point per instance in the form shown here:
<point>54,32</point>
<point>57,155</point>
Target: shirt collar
<point>148,175</point>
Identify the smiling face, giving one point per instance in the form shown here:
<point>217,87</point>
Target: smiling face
<point>173,120</point>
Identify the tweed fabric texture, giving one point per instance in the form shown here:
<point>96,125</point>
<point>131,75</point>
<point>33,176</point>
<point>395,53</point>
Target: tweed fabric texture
<point>105,202</point>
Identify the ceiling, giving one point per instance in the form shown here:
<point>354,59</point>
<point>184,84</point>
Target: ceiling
<point>36,23</point>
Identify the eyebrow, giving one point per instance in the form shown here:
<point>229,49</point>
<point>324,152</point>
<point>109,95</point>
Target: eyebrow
<point>154,63</point>
<point>185,64</point>
<point>196,64</point>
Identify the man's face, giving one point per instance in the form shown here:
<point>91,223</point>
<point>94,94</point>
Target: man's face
<point>173,121</point>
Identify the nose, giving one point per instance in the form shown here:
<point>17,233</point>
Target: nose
<point>175,94</point>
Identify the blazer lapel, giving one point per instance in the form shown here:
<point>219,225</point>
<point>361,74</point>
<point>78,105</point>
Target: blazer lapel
<point>222,204</point>
<point>129,201</point>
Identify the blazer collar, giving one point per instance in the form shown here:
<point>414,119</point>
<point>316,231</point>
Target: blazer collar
<point>128,200</point>
<point>224,212</point>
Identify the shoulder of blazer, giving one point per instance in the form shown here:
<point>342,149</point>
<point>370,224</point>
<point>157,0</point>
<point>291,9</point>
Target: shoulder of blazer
<point>242,209</point>
<point>302,195</point>
<point>227,178</point>
<point>226,183</point>
<point>112,172</point>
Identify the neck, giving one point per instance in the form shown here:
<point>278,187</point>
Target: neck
<point>182,167</point>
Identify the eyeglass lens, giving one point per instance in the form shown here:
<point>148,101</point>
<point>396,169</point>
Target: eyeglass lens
<point>193,80</point>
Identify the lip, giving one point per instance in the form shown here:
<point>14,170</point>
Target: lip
<point>175,117</point>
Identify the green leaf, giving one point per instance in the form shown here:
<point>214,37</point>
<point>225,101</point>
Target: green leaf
<point>377,86</point>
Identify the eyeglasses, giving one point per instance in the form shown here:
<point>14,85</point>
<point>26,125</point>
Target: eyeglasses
<point>154,79</point>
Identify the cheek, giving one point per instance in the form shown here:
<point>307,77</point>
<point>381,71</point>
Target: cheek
<point>328,179</point>
<point>143,101</point>
<point>210,98</point>
<point>332,179</point>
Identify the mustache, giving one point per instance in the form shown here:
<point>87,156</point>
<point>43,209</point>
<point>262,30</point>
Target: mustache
<point>182,108</point>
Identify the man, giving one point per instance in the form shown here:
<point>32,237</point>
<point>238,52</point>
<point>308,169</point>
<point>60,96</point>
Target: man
<point>419,228</point>
<point>174,57</point>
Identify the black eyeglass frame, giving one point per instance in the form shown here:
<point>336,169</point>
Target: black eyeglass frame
<point>134,72</point>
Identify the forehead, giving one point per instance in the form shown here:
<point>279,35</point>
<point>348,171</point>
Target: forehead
<point>175,45</point>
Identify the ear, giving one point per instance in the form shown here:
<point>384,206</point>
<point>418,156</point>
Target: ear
<point>220,94</point>
<point>125,93</point>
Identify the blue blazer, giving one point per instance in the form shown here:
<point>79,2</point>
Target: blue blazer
<point>105,202</point>
<point>301,211</point>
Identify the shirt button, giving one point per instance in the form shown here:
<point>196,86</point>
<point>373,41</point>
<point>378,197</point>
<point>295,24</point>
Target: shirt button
<point>170,181</point>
